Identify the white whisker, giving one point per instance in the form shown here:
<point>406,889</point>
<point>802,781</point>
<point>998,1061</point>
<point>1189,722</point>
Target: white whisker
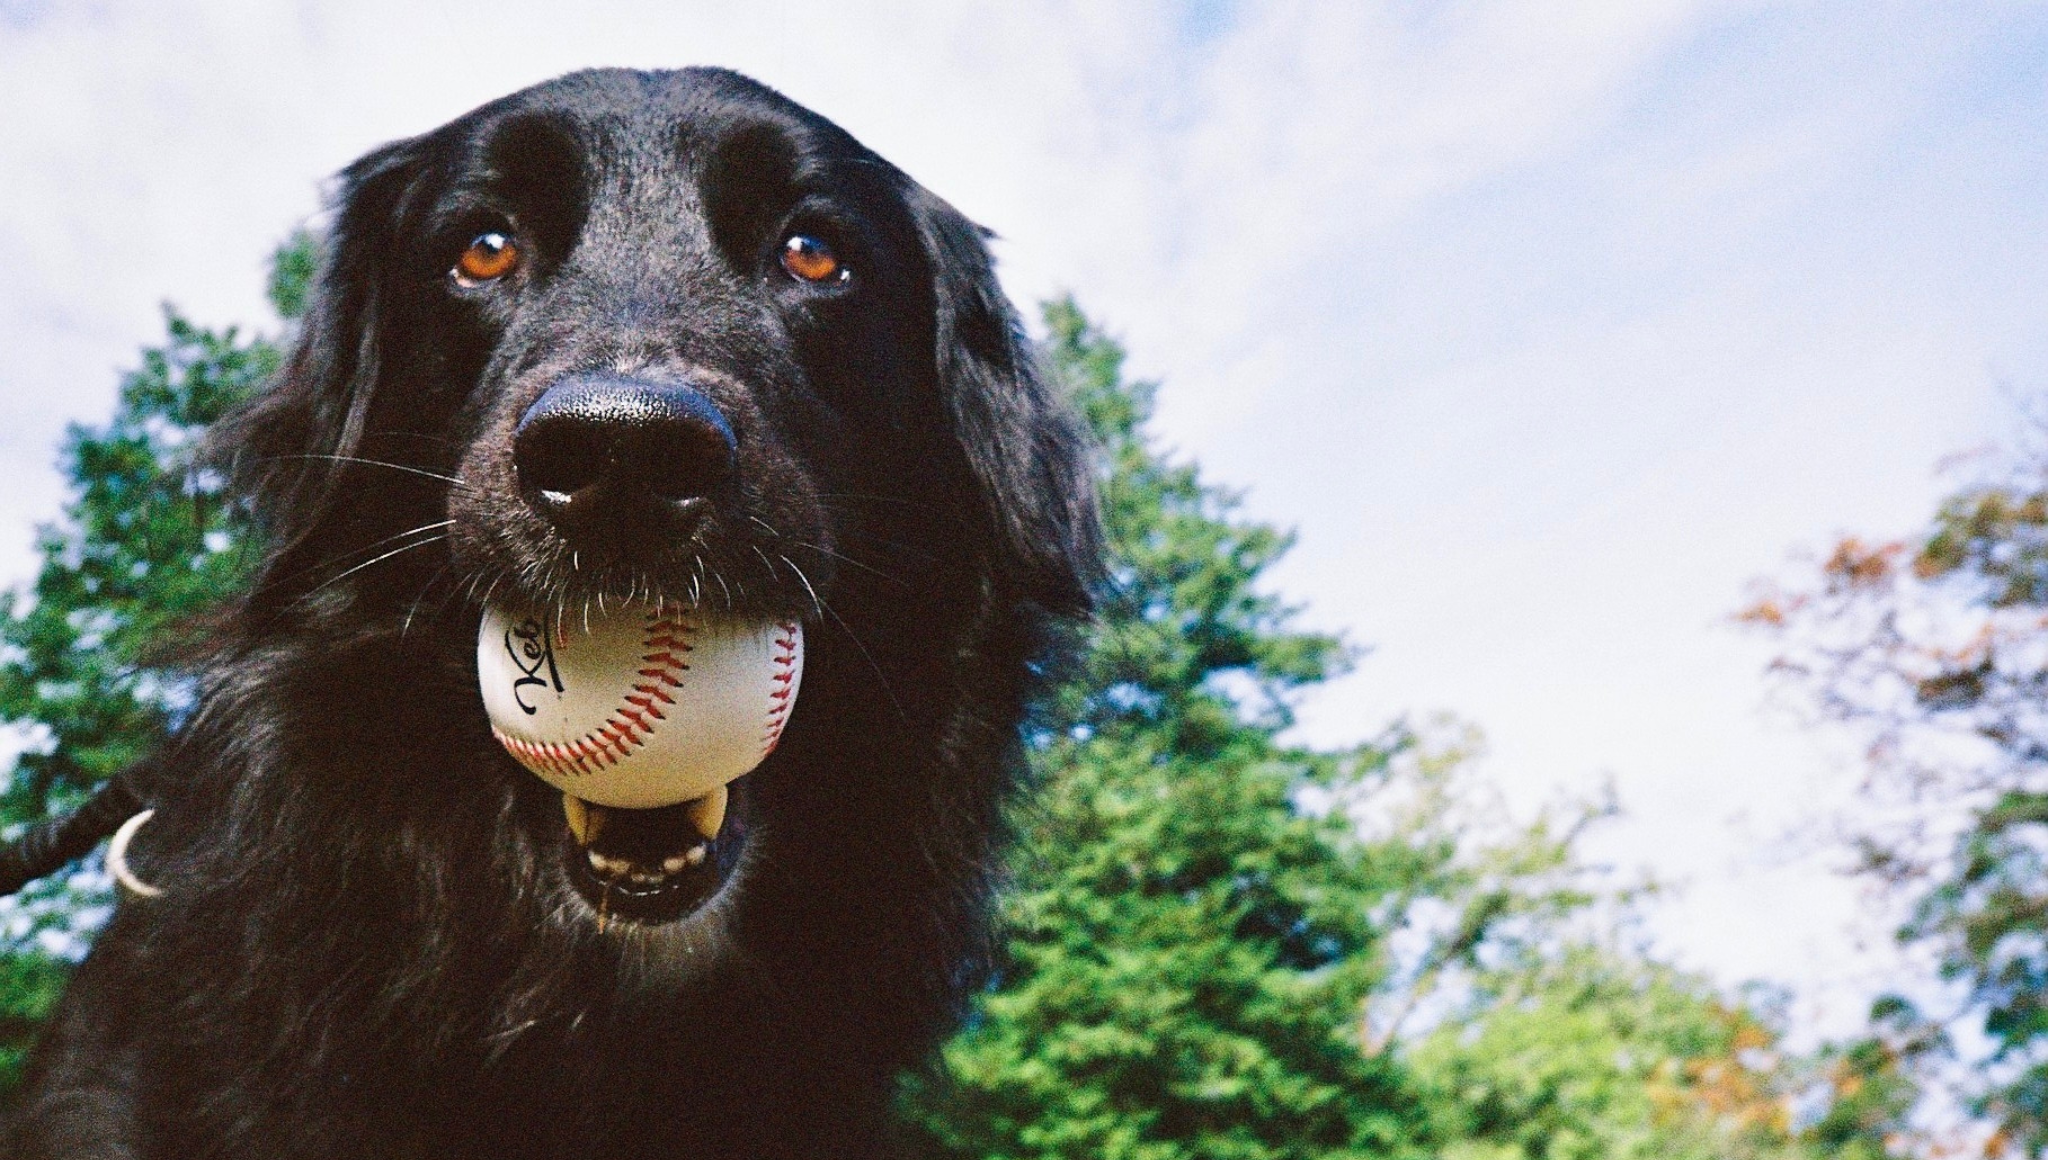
<point>806,580</point>
<point>843,558</point>
<point>824,609</point>
<point>424,589</point>
<point>407,468</point>
<point>402,548</point>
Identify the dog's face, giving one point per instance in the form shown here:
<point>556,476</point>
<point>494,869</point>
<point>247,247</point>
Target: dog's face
<point>683,325</point>
<point>666,337</point>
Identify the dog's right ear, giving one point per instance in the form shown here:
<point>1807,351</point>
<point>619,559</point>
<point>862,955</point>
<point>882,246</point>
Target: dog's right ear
<point>1023,447</point>
<point>286,448</point>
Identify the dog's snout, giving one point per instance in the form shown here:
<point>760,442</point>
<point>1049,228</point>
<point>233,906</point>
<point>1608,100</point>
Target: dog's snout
<point>596,447</point>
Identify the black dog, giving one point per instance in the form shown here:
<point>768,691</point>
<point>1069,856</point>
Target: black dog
<point>620,335</point>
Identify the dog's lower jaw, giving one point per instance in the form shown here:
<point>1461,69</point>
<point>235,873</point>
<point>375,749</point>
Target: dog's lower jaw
<point>653,866</point>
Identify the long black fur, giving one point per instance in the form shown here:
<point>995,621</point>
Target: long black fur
<point>367,945</point>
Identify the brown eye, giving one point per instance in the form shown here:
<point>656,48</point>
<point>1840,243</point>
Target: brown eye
<point>811,260</point>
<point>490,257</point>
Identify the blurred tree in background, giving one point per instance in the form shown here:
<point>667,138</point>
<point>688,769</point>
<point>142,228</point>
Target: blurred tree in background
<point>89,653</point>
<point>1932,652</point>
<point>1187,962</point>
<point>1595,1051</point>
<point>1222,944</point>
<point>1225,946</point>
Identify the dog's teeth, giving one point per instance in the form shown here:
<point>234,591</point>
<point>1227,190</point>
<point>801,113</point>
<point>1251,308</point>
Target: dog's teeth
<point>674,864</point>
<point>694,855</point>
<point>608,866</point>
<point>586,821</point>
<point>707,813</point>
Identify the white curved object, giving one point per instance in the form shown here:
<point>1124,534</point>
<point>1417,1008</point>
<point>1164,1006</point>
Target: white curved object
<point>117,857</point>
<point>644,706</point>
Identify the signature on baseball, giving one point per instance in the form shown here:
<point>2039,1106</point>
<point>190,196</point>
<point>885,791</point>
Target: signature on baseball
<point>531,651</point>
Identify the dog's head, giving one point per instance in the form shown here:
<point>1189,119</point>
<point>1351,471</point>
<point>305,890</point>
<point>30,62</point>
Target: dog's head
<point>658,335</point>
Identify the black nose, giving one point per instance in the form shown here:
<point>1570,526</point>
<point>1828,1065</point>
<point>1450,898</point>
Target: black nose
<point>601,448</point>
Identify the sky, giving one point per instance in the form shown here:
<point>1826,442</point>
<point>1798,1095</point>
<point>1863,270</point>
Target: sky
<point>1549,328</point>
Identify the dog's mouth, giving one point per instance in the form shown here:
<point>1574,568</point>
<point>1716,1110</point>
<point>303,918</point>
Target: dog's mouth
<point>653,866</point>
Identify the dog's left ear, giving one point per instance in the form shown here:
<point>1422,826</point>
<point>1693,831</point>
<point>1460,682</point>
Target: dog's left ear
<point>1023,444</point>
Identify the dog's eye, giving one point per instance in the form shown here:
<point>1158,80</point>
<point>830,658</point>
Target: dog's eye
<point>490,257</point>
<point>810,260</point>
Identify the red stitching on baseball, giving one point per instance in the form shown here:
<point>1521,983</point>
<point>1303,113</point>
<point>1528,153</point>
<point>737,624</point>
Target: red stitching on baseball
<point>646,705</point>
<point>784,660</point>
<point>626,729</point>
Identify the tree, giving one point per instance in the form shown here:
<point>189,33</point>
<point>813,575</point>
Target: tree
<point>1222,944</point>
<point>1931,650</point>
<point>1185,966</point>
<point>1594,1051</point>
<point>89,654</point>
<point>1535,1024</point>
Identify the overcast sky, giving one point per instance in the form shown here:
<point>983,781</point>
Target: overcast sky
<point>1548,326</point>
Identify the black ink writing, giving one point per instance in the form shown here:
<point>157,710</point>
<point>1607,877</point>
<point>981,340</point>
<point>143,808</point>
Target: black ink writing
<point>531,651</point>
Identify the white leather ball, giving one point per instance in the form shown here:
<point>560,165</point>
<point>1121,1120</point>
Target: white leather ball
<point>641,706</point>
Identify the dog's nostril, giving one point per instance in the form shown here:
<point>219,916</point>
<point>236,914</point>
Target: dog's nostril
<point>559,458</point>
<point>681,460</point>
<point>617,440</point>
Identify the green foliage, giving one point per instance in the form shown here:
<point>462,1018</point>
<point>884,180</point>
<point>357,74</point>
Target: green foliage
<point>89,654</point>
<point>1180,983</point>
<point>292,267</point>
<point>1533,1026</point>
<point>1186,971</point>
<point>1593,1053</point>
<point>1872,1089</point>
<point>144,548</point>
<point>1181,610</point>
<point>1222,945</point>
<point>29,988</point>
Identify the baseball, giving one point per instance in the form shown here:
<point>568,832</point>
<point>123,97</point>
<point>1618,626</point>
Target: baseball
<point>642,706</point>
